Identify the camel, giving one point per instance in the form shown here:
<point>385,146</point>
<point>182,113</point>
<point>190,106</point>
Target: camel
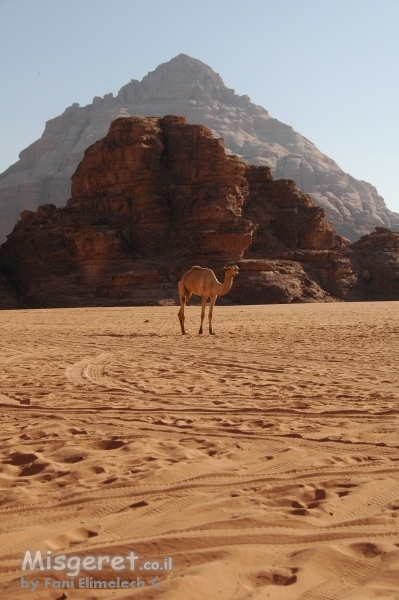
<point>202,282</point>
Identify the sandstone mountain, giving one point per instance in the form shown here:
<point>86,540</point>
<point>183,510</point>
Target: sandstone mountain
<point>187,87</point>
<point>156,196</point>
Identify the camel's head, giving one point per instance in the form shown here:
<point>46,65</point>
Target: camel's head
<point>232,271</point>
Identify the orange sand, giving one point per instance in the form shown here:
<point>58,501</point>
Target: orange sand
<point>264,460</point>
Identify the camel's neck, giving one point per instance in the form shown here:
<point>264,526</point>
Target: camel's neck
<point>223,288</point>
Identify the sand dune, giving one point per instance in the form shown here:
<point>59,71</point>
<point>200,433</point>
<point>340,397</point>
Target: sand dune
<point>263,460</point>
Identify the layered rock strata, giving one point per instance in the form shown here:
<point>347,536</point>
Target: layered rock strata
<point>156,196</point>
<point>186,86</point>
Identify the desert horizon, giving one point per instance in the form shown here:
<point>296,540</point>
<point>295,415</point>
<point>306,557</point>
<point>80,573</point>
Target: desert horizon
<point>262,462</point>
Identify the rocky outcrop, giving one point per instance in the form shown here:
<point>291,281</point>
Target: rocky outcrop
<point>8,296</point>
<point>8,299</point>
<point>187,87</point>
<point>156,196</point>
<point>376,258</point>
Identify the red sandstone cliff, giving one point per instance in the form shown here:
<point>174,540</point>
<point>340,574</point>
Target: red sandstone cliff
<point>8,296</point>
<point>187,87</point>
<point>157,195</point>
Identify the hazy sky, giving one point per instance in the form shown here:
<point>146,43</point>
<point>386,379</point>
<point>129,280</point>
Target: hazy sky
<point>329,68</point>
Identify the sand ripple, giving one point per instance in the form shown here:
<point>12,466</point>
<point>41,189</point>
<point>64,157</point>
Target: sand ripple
<point>264,459</point>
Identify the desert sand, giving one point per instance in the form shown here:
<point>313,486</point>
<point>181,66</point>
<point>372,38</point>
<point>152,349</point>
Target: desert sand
<point>263,460</point>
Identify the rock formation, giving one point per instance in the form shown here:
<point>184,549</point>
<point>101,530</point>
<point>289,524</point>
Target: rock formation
<point>8,296</point>
<point>156,196</point>
<point>187,87</point>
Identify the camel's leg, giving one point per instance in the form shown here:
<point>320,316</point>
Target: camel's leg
<point>183,300</point>
<point>211,305</point>
<point>203,303</point>
<point>181,316</point>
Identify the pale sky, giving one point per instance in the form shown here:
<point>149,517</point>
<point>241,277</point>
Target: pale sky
<point>329,68</point>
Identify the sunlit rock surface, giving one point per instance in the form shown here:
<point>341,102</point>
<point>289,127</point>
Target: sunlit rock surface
<point>187,87</point>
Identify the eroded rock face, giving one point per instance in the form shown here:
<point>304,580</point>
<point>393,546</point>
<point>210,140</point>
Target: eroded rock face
<point>187,87</point>
<point>149,199</point>
<point>156,196</point>
<point>8,296</point>
<point>376,257</point>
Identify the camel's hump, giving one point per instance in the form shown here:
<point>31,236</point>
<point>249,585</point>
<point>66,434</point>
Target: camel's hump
<point>196,267</point>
